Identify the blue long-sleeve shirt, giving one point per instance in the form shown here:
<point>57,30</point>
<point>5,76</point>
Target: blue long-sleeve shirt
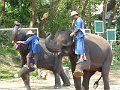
<point>33,41</point>
<point>78,26</point>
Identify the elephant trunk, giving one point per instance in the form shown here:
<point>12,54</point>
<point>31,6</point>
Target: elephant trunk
<point>50,44</point>
<point>15,31</point>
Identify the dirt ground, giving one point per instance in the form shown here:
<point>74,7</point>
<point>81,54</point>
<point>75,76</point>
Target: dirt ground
<point>17,84</point>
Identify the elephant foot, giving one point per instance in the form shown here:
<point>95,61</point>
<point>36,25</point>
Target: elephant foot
<point>57,86</point>
<point>28,87</point>
<point>66,84</point>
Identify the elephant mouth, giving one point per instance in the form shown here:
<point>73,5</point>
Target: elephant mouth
<point>66,50</point>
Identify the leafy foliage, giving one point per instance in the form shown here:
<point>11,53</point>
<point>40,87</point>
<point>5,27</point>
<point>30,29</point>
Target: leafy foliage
<point>3,37</point>
<point>118,27</point>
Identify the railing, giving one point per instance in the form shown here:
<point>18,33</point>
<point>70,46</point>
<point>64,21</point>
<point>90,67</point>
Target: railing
<point>26,29</point>
<point>6,34</point>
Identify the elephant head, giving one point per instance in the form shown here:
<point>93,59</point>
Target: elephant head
<point>61,43</point>
<point>22,48</point>
<point>19,37</point>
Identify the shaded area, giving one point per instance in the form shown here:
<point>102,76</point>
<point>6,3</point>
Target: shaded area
<point>49,84</point>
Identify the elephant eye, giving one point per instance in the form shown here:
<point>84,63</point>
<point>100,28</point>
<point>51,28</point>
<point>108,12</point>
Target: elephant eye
<point>64,48</point>
<point>65,41</point>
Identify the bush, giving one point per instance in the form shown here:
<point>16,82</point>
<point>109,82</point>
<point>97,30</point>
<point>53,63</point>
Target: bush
<point>118,27</point>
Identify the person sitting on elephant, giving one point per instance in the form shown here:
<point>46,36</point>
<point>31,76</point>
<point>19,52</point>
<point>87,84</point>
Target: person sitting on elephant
<point>78,34</point>
<point>34,48</point>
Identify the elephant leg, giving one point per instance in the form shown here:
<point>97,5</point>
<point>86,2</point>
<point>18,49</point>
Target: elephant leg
<point>105,75</point>
<point>64,78</point>
<point>26,80</point>
<point>57,68</point>
<point>23,61</point>
<point>57,80</point>
<point>86,78</point>
<point>106,70</point>
<point>24,74</point>
<point>105,81</point>
<point>77,81</point>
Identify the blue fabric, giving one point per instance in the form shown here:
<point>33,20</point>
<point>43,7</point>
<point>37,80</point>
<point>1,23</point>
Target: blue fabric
<point>79,37</point>
<point>79,46</point>
<point>33,41</point>
<point>78,26</point>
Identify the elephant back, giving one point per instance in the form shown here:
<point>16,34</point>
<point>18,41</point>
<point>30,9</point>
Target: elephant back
<point>98,48</point>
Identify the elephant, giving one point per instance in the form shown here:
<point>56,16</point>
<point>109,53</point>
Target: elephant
<point>47,60</point>
<point>98,53</point>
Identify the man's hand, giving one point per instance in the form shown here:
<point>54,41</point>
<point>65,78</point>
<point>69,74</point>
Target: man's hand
<point>19,42</point>
<point>72,34</point>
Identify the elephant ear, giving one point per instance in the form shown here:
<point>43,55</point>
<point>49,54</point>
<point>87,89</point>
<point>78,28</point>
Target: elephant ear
<point>22,36</point>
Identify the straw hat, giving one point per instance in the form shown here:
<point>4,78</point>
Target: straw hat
<point>29,32</point>
<point>73,13</point>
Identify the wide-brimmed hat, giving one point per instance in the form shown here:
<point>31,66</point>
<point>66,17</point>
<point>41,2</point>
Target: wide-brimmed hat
<point>73,13</point>
<point>29,32</point>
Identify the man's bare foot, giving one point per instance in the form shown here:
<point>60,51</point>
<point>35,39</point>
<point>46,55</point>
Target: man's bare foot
<point>79,61</point>
<point>26,66</point>
<point>84,58</point>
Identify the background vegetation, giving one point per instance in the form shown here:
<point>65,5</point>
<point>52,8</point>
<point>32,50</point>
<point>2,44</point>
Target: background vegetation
<point>51,15</point>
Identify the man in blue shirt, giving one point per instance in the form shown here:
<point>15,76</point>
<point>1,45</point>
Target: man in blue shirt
<point>78,34</point>
<point>34,47</point>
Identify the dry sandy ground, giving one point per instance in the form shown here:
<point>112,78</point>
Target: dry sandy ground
<point>17,84</point>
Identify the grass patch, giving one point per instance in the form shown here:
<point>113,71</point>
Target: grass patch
<point>8,72</point>
<point>115,65</point>
<point>9,62</point>
<point>8,55</point>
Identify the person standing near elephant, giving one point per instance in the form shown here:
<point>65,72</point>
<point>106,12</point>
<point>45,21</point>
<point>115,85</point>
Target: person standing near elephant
<point>78,34</point>
<point>34,48</point>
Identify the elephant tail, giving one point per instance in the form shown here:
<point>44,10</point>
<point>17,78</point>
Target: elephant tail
<point>97,83</point>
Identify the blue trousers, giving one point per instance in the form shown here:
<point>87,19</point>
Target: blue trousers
<point>79,46</point>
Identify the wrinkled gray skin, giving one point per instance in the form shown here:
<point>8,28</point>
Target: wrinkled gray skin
<point>46,60</point>
<point>98,52</point>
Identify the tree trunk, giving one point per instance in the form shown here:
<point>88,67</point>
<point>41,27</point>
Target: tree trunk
<point>79,4</point>
<point>71,2</point>
<point>111,5</point>
<point>85,2</point>
<point>3,11</point>
<point>3,8</point>
<point>89,21</point>
<point>46,15</point>
<point>32,22</point>
<point>112,16</point>
<point>104,13</point>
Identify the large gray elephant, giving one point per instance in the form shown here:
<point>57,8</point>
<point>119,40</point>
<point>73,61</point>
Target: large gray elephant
<point>46,60</point>
<point>98,52</point>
